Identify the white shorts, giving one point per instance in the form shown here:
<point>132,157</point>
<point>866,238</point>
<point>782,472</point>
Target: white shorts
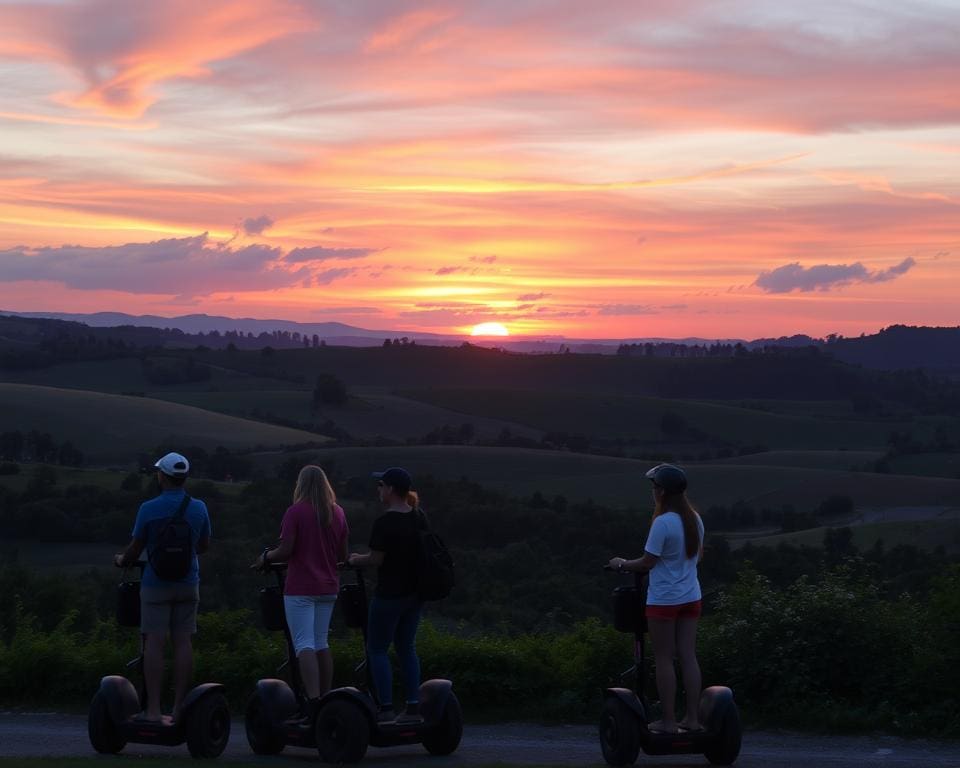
<point>308,618</point>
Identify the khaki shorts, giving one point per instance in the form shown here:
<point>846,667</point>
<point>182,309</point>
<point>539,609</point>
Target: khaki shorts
<point>169,608</point>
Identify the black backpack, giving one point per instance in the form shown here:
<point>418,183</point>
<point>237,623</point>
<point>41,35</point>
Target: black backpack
<point>172,553</point>
<point>434,563</point>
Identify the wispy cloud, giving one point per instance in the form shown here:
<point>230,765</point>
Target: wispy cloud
<point>137,48</point>
<point>627,309</point>
<point>824,277</point>
<point>320,253</point>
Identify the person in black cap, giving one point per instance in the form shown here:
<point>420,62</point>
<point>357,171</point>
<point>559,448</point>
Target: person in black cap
<point>673,550</point>
<point>395,607</point>
<point>168,606</point>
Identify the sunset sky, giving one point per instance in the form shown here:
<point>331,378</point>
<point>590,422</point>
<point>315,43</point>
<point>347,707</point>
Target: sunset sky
<point>602,169</point>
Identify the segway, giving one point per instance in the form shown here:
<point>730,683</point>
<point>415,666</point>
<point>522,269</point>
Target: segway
<point>626,712</point>
<point>204,722</point>
<point>346,722</point>
<point>275,714</point>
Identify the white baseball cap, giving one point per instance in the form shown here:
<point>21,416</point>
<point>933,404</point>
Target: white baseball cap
<point>174,465</point>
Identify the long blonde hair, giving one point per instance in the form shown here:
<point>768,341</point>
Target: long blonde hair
<point>313,487</point>
<point>679,503</point>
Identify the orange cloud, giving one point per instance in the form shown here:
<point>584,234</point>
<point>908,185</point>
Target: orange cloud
<point>125,63</point>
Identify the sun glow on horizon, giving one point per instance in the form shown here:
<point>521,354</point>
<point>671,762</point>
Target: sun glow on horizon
<point>490,329</point>
<point>443,167</point>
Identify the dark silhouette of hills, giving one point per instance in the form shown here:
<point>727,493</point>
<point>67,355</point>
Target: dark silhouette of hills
<point>898,347</point>
<point>902,346</point>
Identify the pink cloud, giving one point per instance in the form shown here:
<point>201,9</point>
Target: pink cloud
<point>125,59</point>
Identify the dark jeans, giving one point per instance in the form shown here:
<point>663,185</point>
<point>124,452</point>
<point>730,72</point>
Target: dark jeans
<point>394,619</point>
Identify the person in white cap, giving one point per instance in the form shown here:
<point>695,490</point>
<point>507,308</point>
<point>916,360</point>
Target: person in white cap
<point>168,605</point>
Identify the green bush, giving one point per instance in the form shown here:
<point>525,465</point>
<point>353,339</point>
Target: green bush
<point>827,654</point>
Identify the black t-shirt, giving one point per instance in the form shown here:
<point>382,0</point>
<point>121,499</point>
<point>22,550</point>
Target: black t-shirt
<point>396,535</point>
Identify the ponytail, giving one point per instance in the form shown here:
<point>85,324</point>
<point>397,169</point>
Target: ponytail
<point>413,499</point>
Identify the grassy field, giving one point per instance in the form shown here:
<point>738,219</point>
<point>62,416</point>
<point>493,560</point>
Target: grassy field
<point>932,464</point>
<point>371,411</point>
<point>126,375</point>
<point>842,460</point>
<point>613,416</point>
<point>114,428</point>
<point>925,534</point>
<point>614,481</point>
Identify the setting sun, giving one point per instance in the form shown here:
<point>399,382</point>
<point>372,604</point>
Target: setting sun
<point>490,329</point>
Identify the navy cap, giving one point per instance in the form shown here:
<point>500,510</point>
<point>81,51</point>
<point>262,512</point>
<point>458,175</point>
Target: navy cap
<point>669,477</point>
<point>395,477</point>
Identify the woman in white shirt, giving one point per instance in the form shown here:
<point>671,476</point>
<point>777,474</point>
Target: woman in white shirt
<point>673,549</point>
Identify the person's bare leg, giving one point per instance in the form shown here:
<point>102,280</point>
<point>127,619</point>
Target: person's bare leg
<point>692,682</point>
<point>182,668</point>
<point>309,673</point>
<point>325,667</point>
<point>153,643</point>
<point>663,638</point>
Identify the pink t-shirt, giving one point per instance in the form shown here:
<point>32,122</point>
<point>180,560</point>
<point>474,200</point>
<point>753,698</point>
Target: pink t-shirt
<point>312,568</point>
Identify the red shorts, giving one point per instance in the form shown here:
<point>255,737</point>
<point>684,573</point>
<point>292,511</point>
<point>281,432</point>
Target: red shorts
<point>682,611</point>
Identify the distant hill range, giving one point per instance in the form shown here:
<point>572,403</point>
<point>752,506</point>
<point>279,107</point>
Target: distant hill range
<point>893,348</point>
<point>341,334</point>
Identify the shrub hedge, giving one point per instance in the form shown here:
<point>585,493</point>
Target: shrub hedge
<point>826,654</point>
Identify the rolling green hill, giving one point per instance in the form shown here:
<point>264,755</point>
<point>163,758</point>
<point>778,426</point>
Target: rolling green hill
<point>943,530</point>
<point>617,482</point>
<point>114,428</point>
<point>641,418</point>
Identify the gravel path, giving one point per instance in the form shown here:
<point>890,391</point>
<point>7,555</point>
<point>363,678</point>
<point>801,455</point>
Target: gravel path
<point>50,734</point>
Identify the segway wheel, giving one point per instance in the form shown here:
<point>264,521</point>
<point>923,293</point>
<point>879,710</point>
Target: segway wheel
<point>343,732</point>
<point>103,733</point>
<point>261,735</point>
<point>725,748</point>
<point>444,738</point>
<point>619,733</point>
<point>208,726</point>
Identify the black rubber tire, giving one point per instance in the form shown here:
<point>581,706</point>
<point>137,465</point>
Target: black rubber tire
<point>725,748</point>
<point>103,733</point>
<point>261,735</point>
<point>444,737</point>
<point>619,733</point>
<point>343,732</point>
<point>208,726</point>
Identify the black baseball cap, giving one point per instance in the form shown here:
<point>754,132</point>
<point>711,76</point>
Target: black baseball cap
<point>669,477</point>
<point>395,477</point>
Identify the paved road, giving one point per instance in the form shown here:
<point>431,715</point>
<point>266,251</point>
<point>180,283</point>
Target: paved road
<point>38,734</point>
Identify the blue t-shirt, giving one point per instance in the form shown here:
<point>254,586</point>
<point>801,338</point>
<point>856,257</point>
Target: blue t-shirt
<point>163,506</point>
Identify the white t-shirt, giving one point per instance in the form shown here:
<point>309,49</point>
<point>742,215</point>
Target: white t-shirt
<point>673,580</point>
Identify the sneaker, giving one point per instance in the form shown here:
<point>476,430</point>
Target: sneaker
<point>386,715</point>
<point>411,716</point>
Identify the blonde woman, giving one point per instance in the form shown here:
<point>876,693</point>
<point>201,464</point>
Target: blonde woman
<point>673,550</point>
<point>313,539</point>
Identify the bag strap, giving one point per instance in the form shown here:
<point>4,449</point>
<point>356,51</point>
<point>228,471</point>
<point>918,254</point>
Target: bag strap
<point>181,511</point>
<point>421,523</point>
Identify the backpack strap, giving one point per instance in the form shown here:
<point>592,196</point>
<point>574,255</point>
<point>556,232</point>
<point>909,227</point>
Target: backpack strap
<point>182,510</point>
<point>421,524</point>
